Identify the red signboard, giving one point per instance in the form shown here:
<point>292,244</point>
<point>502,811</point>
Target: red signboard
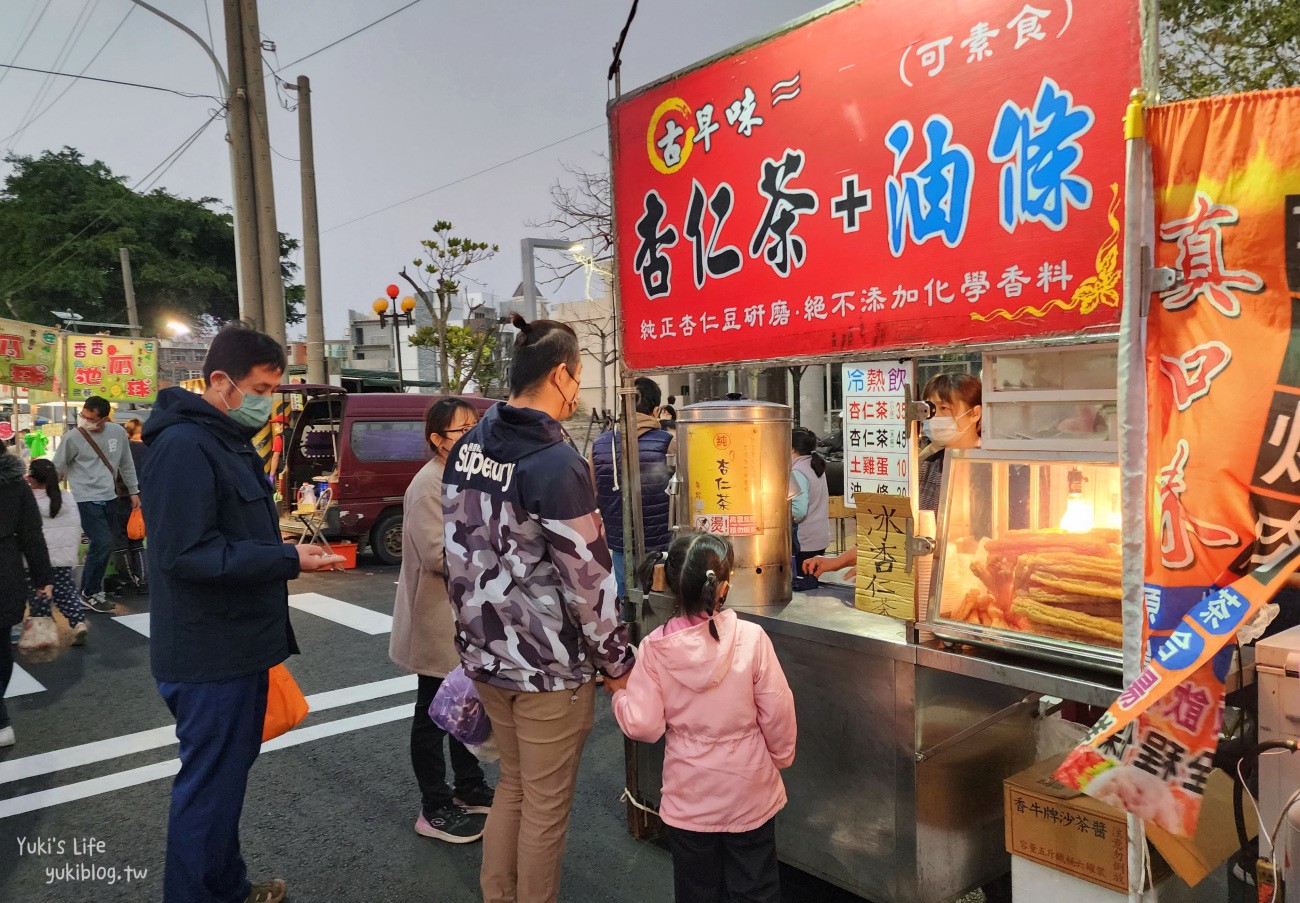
<point>878,178</point>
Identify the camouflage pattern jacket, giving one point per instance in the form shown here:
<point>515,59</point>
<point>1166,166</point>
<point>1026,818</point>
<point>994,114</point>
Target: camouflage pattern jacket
<point>528,569</point>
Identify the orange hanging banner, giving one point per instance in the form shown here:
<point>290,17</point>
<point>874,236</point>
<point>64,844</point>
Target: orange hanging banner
<point>1223,444</point>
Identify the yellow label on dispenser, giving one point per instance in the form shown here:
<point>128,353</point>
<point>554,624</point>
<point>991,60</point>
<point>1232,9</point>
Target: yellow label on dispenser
<point>722,465</point>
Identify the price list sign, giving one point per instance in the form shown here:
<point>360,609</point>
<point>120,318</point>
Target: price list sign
<point>877,455</point>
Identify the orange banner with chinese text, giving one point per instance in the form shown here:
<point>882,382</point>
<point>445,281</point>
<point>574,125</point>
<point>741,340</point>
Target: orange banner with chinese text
<point>1223,444</point>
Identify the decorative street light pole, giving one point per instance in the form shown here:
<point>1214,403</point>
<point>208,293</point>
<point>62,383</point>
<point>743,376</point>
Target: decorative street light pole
<point>527,247</point>
<point>398,317</point>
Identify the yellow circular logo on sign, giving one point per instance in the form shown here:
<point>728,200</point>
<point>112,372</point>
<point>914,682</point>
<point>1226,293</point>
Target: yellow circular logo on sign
<point>658,159</point>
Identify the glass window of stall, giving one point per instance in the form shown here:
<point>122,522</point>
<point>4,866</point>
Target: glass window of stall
<point>1029,546</point>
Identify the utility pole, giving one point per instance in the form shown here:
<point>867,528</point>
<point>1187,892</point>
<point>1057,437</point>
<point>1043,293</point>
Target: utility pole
<point>316,372</point>
<point>259,138</point>
<point>246,241</point>
<point>128,285</point>
<point>237,199</point>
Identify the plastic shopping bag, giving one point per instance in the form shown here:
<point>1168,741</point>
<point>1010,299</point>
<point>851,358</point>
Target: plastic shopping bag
<point>487,753</point>
<point>457,709</point>
<point>39,635</point>
<point>135,525</point>
<point>286,707</point>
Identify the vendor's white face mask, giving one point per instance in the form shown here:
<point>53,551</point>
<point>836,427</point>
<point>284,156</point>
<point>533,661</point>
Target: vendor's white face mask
<point>944,429</point>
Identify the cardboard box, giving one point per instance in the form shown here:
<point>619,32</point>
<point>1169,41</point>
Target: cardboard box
<point>1048,823</point>
<point>1051,824</point>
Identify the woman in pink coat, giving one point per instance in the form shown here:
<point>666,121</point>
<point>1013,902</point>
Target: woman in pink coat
<point>712,682</point>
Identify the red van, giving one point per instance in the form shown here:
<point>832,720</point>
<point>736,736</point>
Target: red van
<point>376,443</point>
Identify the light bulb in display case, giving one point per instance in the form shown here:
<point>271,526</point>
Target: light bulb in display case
<point>1078,513</point>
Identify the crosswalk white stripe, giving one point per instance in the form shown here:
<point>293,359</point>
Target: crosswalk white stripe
<point>22,683</point>
<point>345,613</point>
<point>80,790</point>
<point>156,738</point>
<point>139,623</point>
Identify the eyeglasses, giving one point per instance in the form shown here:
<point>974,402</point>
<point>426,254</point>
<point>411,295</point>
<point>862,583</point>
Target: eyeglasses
<point>460,432</point>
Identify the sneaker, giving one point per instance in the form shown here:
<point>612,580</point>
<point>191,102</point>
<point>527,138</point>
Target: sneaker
<point>98,602</point>
<point>79,634</point>
<point>273,891</point>
<point>452,824</point>
<point>476,800</point>
<point>7,737</point>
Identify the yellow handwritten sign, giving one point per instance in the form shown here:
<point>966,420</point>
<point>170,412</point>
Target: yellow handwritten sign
<point>28,355</point>
<point>722,465</point>
<point>113,368</point>
<point>883,586</point>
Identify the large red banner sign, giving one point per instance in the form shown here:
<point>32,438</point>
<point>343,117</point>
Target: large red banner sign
<point>877,178</point>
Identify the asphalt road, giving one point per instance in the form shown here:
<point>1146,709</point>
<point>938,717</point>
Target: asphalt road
<point>84,793</point>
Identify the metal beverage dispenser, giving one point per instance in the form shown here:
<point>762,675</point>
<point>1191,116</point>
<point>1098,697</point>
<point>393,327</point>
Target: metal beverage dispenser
<point>733,479</point>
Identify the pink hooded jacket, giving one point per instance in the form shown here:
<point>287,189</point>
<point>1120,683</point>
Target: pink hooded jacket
<point>729,716</point>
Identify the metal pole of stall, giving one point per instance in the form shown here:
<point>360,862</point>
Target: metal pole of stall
<point>639,823</point>
<point>1133,419</point>
<point>1139,232</point>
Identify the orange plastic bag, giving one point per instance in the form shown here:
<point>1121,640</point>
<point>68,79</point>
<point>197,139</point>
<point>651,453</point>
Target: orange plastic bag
<point>286,707</point>
<point>135,525</point>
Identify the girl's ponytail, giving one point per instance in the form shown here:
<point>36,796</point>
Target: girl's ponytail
<point>709,599</point>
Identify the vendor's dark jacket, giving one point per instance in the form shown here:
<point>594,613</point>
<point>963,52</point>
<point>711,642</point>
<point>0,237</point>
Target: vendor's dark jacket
<point>218,569</point>
<point>21,539</point>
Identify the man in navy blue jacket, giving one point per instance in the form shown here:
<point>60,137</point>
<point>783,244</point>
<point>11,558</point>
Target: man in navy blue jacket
<point>219,606</point>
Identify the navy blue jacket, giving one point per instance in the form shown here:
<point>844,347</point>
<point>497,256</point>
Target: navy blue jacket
<point>652,447</point>
<point>218,569</point>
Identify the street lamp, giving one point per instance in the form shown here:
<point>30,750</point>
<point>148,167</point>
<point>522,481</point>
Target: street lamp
<point>528,246</point>
<point>398,315</point>
<point>177,329</point>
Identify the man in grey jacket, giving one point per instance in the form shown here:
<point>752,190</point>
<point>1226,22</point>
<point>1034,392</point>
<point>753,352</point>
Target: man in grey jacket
<point>90,458</point>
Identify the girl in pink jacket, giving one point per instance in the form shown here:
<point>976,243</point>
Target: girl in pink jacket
<point>712,682</point>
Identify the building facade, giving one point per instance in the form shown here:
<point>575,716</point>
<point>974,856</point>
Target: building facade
<point>181,359</point>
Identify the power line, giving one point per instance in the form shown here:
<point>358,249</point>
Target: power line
<point>73,83</point>
<point>21,47</point>
<point>152,175</point>
<point>111,81</point>
<point>78,28</point>
<point>352,34</point>
<point>472,175</point>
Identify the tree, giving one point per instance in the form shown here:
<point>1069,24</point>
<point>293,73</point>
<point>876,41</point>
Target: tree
<point>599,342</point>
<point>1227,46</point>
<point>449,256</point>
<point>469,353</point>
<point>63,220</point>
<point>796,403</point>
<point>582,212</point>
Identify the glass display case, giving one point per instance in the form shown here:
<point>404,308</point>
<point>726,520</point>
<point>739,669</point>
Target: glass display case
<point>1028,555</point>
<point>1054,399</point>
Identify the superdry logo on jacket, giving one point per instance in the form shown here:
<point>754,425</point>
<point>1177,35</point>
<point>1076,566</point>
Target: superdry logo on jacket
<point>528,570</point>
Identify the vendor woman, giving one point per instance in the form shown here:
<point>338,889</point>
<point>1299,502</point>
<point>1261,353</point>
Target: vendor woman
<point>955,424</point>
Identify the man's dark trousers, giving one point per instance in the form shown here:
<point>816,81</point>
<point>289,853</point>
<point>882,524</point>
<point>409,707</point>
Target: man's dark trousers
<point>219,724</point>
<point>97,519</point>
